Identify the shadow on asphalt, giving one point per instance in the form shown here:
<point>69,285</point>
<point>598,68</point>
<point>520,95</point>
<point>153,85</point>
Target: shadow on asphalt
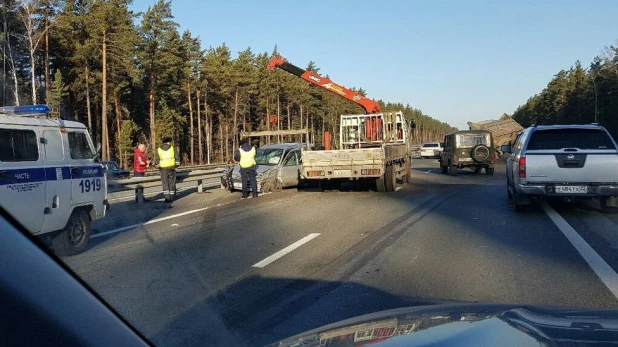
<point>261,316</point>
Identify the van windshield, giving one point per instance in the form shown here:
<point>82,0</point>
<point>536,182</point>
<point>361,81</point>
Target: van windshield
<point>570,138</point>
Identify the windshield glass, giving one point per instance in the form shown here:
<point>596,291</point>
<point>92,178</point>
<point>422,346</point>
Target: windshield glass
<point>471,140</point>
<point>268,156</point>
<point>570,138</point>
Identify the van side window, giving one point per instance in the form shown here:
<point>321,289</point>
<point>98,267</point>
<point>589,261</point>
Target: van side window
<point>18,145</point>
<point>79,146</point>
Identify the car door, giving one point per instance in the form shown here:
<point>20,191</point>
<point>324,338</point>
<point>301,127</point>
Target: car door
<point>22,175</point>
<point>290,169</point>
<point>58,178</point>
<point>87,181</point>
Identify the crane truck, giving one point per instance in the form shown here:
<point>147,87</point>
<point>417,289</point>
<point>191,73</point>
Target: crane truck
<point>374,146</point>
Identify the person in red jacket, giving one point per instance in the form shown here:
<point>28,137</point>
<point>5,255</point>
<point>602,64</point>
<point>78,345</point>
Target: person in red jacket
<point>140,160</point>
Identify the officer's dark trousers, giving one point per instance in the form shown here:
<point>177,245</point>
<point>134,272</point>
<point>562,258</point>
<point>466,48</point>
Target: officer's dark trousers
<point>248,176</point>
<point>168,182</point>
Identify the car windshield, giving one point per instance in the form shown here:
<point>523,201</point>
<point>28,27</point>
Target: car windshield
<point>570,138</point>
<point>471,140</point>
<point>408,153</point>
<point>268,156</point>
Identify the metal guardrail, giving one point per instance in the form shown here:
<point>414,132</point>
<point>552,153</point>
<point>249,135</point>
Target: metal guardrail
<point>139,183</point>
<point>185,168</point>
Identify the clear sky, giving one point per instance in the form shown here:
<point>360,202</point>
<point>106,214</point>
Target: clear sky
<point>457,61</point>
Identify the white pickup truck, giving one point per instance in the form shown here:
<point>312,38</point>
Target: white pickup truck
<point>565,161</point>
<point>374,148</point>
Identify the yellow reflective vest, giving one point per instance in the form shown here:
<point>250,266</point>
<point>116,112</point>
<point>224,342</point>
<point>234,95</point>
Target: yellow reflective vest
<point>247,158</point>
<point>166,158</point>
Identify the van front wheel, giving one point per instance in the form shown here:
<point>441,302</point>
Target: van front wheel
<point>73,239</point>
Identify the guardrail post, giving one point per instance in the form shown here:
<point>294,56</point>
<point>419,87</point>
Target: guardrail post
<point>200,187</point>
<point>139,196</point>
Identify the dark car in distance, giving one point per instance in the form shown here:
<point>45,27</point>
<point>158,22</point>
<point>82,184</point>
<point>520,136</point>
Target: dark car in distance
<point>114,172</point>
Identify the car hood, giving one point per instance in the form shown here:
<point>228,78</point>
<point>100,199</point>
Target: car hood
<point>469,325</point>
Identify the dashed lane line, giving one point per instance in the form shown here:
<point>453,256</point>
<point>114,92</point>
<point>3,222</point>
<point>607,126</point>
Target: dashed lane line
<point>286,250</point>
<point>162,219</point>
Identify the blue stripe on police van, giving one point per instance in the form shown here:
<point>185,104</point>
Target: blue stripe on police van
<point>26,175</point>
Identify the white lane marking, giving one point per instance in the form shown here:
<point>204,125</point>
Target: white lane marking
<point>152,221</point>
<point>286,250</point>
<point>396,189</point>
<point>428,171</point>
<point>157,220</point>
<point>607,275</point>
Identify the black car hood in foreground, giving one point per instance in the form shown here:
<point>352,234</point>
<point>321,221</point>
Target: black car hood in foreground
<point>468,325</point>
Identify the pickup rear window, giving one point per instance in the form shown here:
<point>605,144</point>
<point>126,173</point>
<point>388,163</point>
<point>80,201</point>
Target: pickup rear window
<point>570,138</point>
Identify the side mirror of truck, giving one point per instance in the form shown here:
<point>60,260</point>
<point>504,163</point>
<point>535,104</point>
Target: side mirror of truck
<point>413,124</point>
<point>506,148</point>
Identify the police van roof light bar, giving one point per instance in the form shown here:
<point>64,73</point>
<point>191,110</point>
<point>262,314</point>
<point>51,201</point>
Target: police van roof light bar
<point>25,109</point>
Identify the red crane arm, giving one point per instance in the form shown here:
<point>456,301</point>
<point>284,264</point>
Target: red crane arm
<point>369,105</point>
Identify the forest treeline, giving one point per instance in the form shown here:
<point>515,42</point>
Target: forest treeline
<point>579,95</point>
<point>134,77</point>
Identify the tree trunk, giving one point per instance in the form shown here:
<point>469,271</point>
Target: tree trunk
<point>151,101</point>
<point>118,119</point>
<point>268,118</point>
<point>191,139</point>
<point>32,77</point>
<point>289,124</point>
<point>278,116</point>
<point>104,134</point>
<point>209,152</point>
<point>88,100</point>
<point>235,130</point>
<point>47,52</point>
<point>227,137</point>
<point>221,139</point>
<point>200,148</point>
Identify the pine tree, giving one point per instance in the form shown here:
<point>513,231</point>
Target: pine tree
<point>57,93</point>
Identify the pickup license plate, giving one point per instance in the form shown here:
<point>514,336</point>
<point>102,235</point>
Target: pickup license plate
<point>342,173</point>
<point>571,189</point>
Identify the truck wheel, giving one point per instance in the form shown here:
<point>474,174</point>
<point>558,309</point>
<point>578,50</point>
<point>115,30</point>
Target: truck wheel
<point>477,170</point>
<point>74,238</point>
<point>380,184</point>
<point>390,178</point>
<point>606,208</point>
<point>407,178</point>
<point>517,205</point>
<point>489,171</point>
<point>452,169</point>
<point>324,185</point>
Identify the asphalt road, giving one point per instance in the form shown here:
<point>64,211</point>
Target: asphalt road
<point>211,269</point>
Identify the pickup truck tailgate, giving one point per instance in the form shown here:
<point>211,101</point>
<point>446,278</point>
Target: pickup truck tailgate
<point>565,167</point>
<point>571,155</point>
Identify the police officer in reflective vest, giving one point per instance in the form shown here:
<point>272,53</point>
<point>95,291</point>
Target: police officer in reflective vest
<point>168,160</point>
<point>246,159</point>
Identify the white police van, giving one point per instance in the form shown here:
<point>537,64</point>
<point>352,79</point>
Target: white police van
<point>50,180</point>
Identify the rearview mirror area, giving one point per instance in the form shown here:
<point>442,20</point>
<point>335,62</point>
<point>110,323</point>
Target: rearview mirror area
<point>506,148</point>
